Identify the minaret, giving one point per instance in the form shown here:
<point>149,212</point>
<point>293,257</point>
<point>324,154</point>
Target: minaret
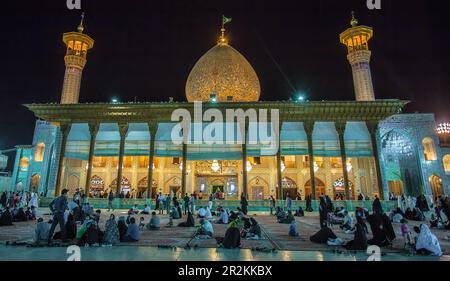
<point>78,45</point>
<point>356,38</point>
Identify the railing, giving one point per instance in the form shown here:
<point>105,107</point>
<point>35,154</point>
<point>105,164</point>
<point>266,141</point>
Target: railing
<point>257,205</point>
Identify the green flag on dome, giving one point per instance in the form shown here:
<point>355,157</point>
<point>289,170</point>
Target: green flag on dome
<point>225,20</point>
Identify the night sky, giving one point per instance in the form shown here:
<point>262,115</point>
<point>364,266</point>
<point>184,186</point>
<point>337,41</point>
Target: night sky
<point>144,50</point>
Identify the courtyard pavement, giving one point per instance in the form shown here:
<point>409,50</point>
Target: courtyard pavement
<point>170,243</point>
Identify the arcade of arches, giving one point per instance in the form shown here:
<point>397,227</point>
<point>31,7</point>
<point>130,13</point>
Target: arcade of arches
<point>205,177</point>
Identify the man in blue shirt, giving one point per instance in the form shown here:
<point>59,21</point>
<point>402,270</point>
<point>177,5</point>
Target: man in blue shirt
<point>58,206</point>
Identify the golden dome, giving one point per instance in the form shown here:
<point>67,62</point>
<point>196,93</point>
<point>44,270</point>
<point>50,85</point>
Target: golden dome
<point>225,73</point>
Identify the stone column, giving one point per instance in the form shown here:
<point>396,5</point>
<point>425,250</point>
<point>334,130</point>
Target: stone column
<point>123,130</point>
<point>340,128</point>
<point>152,127</point>
<point>244,161</point>
<point>309,128</point>
<point>373,130</point>
<point>93,130</point>
<point>183,171</point>
<point>65,129</point>
<point>279,176</point>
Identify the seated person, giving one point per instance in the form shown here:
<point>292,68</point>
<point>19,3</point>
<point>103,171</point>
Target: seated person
<point>88,234</point>
<point>30,214</point>
<point>205,229</point>
<point>348,222</point>
<point>434,221</point>
<point>208,214</point>
<point>6,218</point>
<point>223,217</point>
<point>254,233</point>
<point>133,233</point>
<point>409,214</point>
<point>41,232</point>
<point>289,218</point>
<point>279,213</point>
<point>323,235</point>
<point>146,210</point>
<point>293,229</point>
<point>359,242</point>
<point>174,214</point>
<point>20,216</point>
<point>426,242</point>
<point>232,237</point>
<point>418,215</point>
<point>134,210</point>
<point>190,222</point>
<point>122,226</point>
<point>340,212</point>
<point>299,212</point>
<point>201,213</point>
<point>141,223</point>
<point>87,209</point>
<point>70,227</point>
<point>155,223</point>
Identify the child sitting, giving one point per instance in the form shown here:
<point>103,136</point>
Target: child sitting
<point>141,224</point>
<point>293,229</point>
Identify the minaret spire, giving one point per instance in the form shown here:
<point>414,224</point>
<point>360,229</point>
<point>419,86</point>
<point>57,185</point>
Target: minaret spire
<point>81,27</point>
<point>356,38</point>
<point>78,44</point>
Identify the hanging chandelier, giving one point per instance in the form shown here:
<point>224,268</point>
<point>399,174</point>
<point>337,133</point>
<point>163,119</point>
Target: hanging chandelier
<point>215,166</point>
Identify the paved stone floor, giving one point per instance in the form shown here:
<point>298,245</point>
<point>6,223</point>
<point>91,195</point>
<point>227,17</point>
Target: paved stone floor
<point>275,236</point>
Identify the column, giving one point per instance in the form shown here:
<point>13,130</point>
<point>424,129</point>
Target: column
<point>152,127</point>
<point>373,130</point>
<point>309,128</point>
<point>183,171</point>
<point>244,160</point>
<point>93,130</point>
<point>65,129</point>
<point>123,130</point>
<point>279,176</point>
<point>340,128</point>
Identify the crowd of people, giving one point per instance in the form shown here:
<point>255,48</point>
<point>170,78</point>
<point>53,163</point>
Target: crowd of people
<point>78,221</point>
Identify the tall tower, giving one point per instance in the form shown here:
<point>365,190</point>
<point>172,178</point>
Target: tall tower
<point>356,38</point>
<point>78,45</point>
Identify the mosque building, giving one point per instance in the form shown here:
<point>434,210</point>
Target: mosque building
<point>338,148</point>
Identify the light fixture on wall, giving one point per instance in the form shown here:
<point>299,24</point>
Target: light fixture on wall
<point>316,167</point>
<point>215,166</point>
<point>349,166</point>
<point>181,166</point>
<point>249,166</point>
<point>283,167</point>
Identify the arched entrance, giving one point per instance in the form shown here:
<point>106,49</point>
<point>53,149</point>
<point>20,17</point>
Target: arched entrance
<point>125,186</point>
<point>288,186</point>
<point>320,188</point>
<point>258,188</point>
<point>339,189</point>
<point>96,186</point>
<point>400,159</point>
<point>436,185</point>
<point>142,187</point>
<point>173,186</point>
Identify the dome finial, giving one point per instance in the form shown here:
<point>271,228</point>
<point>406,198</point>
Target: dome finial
<point>354,21</point>
<point>81,27</point>
<point>223,40</point>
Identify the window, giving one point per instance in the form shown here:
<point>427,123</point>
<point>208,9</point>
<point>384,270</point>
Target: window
<point>99,162</point>
<point>447,163</point>
<point>24,162</point>
<point>336,162</point>
<point>289,161</point>
<point>429,149</point>
<point>39,152</point>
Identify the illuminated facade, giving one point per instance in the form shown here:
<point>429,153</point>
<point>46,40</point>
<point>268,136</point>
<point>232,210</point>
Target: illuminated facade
<point>339,148</point>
